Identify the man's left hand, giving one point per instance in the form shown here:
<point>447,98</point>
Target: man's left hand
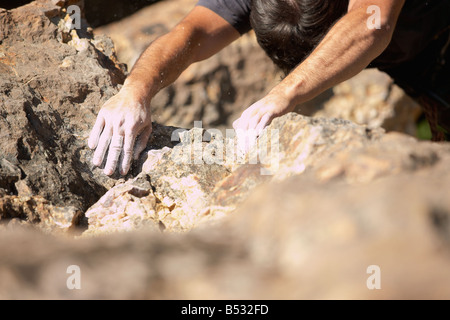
<point>258,116</point>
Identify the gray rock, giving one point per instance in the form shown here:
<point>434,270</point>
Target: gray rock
<point>333,199</point>
<point>49,95</point>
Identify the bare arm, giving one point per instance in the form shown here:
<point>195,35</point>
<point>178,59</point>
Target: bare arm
<point>199,36</point>
<point>124,122</point>
<point>345,51</point>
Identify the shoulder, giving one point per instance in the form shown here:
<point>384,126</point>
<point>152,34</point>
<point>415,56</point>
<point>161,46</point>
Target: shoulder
<point>238,7</point>
<point>236,12</point>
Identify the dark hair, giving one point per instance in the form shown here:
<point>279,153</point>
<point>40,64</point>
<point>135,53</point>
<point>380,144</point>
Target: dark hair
<point>289,30</point>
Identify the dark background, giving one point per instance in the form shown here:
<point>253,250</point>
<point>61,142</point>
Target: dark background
<point>98,12</point>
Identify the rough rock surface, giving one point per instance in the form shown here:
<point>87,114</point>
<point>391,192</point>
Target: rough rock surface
<point>301,238</point>
<point>52,82</point>
<point>370,98</point>
<point>170,194</point>
<point>324,199</point>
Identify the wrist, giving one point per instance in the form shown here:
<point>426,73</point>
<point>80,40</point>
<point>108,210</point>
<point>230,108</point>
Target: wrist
<point>138,90</point>
<point>289,94</point>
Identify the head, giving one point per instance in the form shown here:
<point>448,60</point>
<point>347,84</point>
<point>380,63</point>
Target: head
<point>289,30</point>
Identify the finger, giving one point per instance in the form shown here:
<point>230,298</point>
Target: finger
<point>246,118</point>
<point>253,122</point>
<point>141,142</point>
<point>115,149</point>
<point>96,132</point>
<point>243,123</point>
<point>236,123</point>
<point>245,138</point>
<point>262,124</point>
<point>127,153</point>
<point>103,144</point>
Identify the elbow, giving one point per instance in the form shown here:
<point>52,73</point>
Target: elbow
<point>380,29</point>
<point>381,37</point>
<point>375,30</point>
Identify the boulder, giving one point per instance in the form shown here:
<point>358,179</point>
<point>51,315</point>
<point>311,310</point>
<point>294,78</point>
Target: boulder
<point>299,238</point>
<point>53,81</point>
<point>39,212</point>
<point>370,98</point>
<point>320,208</point>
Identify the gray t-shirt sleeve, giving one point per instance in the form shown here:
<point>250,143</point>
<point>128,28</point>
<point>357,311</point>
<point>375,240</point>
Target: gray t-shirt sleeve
<point>236,12</point>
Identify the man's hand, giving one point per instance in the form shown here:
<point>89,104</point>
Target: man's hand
<point>346,50</point>
<point>122,119</point>
<point>126,116</point>
<point>259,115</point>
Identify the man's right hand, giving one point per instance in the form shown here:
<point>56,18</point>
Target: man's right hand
<point>124,122</point>
<point>124,125</point>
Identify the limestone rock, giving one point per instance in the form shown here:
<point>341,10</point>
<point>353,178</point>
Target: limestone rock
<point>322,237</point>
<point>172,192</point>
<point>49,95</point>
<point>291,145</point>
<point>297,239</point>
<point>370,98</point>
<point>126,207</point>
<point>314,204</point>
<point>38,212</point>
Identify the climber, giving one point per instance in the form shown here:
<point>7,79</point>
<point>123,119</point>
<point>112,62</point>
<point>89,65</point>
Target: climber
<point>317,43</point>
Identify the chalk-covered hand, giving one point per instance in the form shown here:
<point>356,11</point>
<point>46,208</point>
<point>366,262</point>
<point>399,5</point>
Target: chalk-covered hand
<point>258,116</point>
<point>124,125</point>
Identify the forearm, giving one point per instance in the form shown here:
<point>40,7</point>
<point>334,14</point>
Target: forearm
<point>161,63</point>
<point>199,36</point>
<point>346,50</point>
<point>124,123</point>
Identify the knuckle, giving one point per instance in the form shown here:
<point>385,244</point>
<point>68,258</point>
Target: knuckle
<point>131,128</point>
<point>127,153</point>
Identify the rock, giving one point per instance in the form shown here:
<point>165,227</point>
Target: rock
<point>289,146</point>
<point>172,192</point>
<point>296,239</point>
<point>9,174</point>
<point>305,215</point>
<point>47,107</point>
<point>370,98</point>
<point>37,212</point>
<point>184,192</point>
<point>322,237</point>
<point>126,207</point>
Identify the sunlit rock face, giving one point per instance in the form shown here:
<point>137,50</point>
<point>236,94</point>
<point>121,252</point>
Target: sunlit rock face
<point>319,208</point>
<point>52,83</point>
